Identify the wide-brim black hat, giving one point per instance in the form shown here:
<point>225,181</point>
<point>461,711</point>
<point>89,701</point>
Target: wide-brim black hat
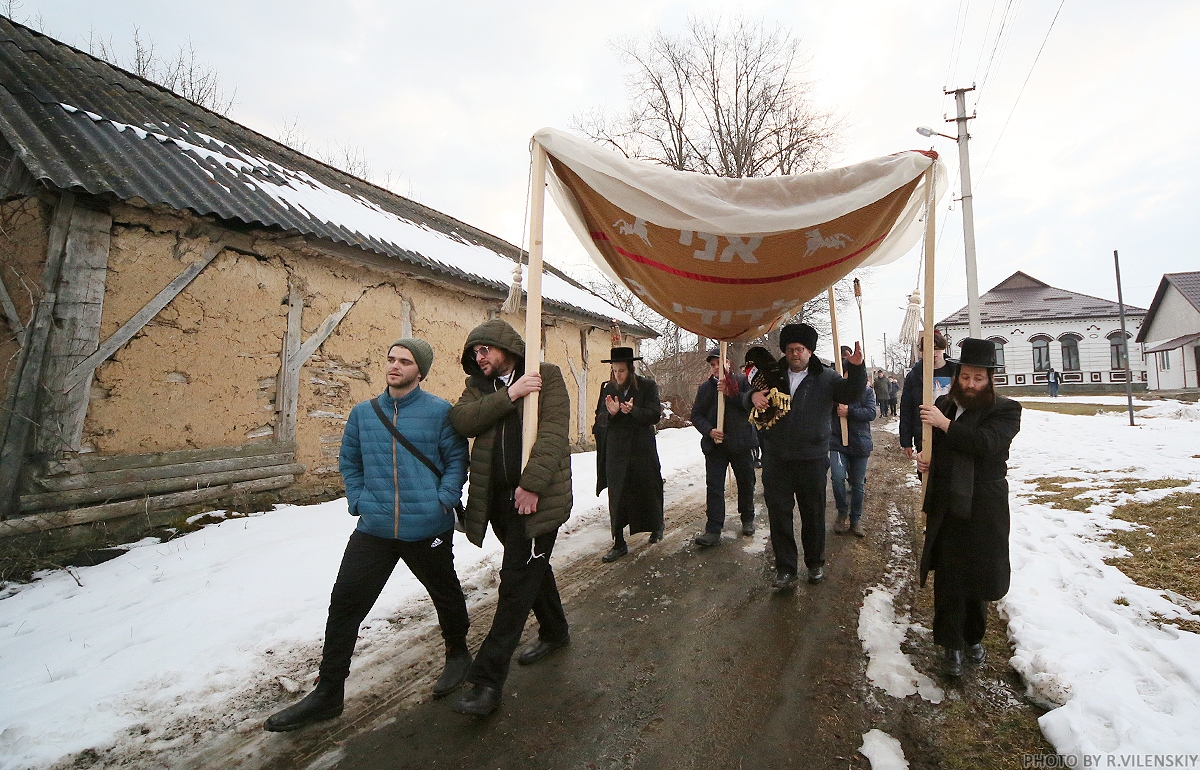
<point>981,353</point>
<point>621,356</point>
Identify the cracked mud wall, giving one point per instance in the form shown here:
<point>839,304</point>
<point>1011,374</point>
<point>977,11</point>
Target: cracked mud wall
<point>24,231</point>
<point>204,372</point>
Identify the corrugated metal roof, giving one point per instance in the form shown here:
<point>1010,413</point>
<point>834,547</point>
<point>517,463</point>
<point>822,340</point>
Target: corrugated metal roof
<point>1021,298</point>
<point>79,123</point>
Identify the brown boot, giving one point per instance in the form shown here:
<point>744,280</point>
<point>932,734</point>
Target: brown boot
<point>842,525</point>
<point>857,529</point>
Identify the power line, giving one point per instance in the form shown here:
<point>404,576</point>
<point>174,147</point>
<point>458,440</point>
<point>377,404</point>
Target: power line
<point>1020,93</point>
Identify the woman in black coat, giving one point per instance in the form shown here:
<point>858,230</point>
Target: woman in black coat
<point>627,454</point>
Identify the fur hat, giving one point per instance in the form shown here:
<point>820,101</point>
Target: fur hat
<point>802,333</point>
<point>422,353</point>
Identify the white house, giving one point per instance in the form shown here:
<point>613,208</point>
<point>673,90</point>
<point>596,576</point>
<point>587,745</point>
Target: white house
<point>1171,333</point>
<point>1036,326</point>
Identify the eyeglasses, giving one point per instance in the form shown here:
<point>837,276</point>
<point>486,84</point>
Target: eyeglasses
<point>482,350</point>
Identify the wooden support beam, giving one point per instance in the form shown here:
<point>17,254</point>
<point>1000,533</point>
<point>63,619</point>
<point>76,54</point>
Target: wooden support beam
<point>405,318</point>
<point>287,392</point>
<point>134,325</point>
<point>294,357</point>
<point>90,463</point>
<point>23,401</point>
<point>81,481</point>
<point>10,313</point>
<point>40,522</point>
<point>140,489</point>
<point>76,332</point>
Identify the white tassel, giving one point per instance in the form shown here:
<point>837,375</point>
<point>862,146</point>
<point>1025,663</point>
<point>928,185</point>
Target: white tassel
<point>512,303</point>
<point>910,330</point>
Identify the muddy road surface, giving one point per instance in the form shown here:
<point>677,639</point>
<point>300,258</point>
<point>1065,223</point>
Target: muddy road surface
<point>683,658</point>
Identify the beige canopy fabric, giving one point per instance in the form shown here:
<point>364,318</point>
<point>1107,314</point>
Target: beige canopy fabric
<point>729,258</point>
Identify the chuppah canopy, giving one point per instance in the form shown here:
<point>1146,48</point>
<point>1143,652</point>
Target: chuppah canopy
<point>729,258</point>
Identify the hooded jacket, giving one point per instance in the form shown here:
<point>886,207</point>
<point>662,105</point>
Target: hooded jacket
<point>393,494</point>
<point>485,413</point>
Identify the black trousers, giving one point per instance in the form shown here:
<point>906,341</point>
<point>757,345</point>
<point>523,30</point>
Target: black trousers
<point>366,567</point>
<point>796,483</point>
<point>715,463</point>
<point>526,583</point>
<point>959,619</point>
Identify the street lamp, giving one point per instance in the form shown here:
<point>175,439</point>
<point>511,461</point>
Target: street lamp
<point>964,167</point>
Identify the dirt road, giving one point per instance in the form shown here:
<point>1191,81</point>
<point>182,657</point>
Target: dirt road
<point>684,658</point>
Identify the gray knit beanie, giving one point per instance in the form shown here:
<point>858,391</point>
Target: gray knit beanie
<point>421,351</point>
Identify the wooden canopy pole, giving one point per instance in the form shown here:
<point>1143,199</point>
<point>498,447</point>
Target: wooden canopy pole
<point>720,395</point>
<point>837,359</point>
<point>927,333</point>
<point>533,303</point>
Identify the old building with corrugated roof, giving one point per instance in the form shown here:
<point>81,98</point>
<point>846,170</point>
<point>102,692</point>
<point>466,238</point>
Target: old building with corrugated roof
<point>192,308</point>
<point>1036,326</point>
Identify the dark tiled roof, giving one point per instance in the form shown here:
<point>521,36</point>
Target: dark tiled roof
<point>78,123</point>
<point>1022,298</point>
<point>1187,284</point>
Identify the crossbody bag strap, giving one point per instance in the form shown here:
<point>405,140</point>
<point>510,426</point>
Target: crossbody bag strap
<point>417,453</point>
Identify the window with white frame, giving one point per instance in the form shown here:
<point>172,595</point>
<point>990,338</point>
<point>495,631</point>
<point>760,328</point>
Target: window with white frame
<point>1070,352</point>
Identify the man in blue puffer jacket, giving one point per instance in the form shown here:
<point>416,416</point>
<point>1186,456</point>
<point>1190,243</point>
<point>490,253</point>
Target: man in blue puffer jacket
<point>405,511</point>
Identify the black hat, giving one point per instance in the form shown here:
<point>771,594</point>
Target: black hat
<point>981,353</point>
<point>802,333</point>
<point>713,353</point>
<point>621,356</point>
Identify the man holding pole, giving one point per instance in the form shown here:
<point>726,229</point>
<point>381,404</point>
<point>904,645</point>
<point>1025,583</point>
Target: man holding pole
<point>796,449</point>
<point>966,503</point>
<point>730,447</point>
<point>525,505</point>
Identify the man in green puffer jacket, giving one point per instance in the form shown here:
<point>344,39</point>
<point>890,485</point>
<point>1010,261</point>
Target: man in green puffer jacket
<point>525,506</point>
<point>405,510</point>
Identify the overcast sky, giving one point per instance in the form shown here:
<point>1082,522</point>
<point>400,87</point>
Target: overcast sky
<point>1101,152</point>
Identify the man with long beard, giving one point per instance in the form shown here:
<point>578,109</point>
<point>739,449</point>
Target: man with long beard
<point>966,504</point>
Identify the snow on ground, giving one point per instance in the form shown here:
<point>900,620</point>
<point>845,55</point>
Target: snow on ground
<point>884,751</point>
<point>1125,684</point>
<point>174,630</point>
<point>882,632</point>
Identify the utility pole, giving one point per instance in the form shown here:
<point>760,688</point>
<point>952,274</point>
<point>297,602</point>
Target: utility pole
<point>964,168</point>
<point>1124,338</point>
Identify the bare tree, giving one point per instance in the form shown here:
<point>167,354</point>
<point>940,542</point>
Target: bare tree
<point>183,73</point>
<point>722,98</point>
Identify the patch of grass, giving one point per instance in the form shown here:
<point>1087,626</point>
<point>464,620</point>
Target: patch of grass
<point>1165,550</point>
<point>1121,600</point>
<point>1077,409</point>
<point>1131,486</point>
<point>1054,493</point>
<point>1183,624</point>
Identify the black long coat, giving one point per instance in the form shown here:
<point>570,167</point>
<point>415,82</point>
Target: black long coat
<point>966,507</point>
<point>627,458</point>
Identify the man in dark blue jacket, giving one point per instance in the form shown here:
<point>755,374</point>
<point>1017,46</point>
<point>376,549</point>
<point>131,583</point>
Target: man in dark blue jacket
<point>796,449</point>
<point>910,399</point>
<point>730,447</point>
<point>848,462</point>
<point>405,511</point>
